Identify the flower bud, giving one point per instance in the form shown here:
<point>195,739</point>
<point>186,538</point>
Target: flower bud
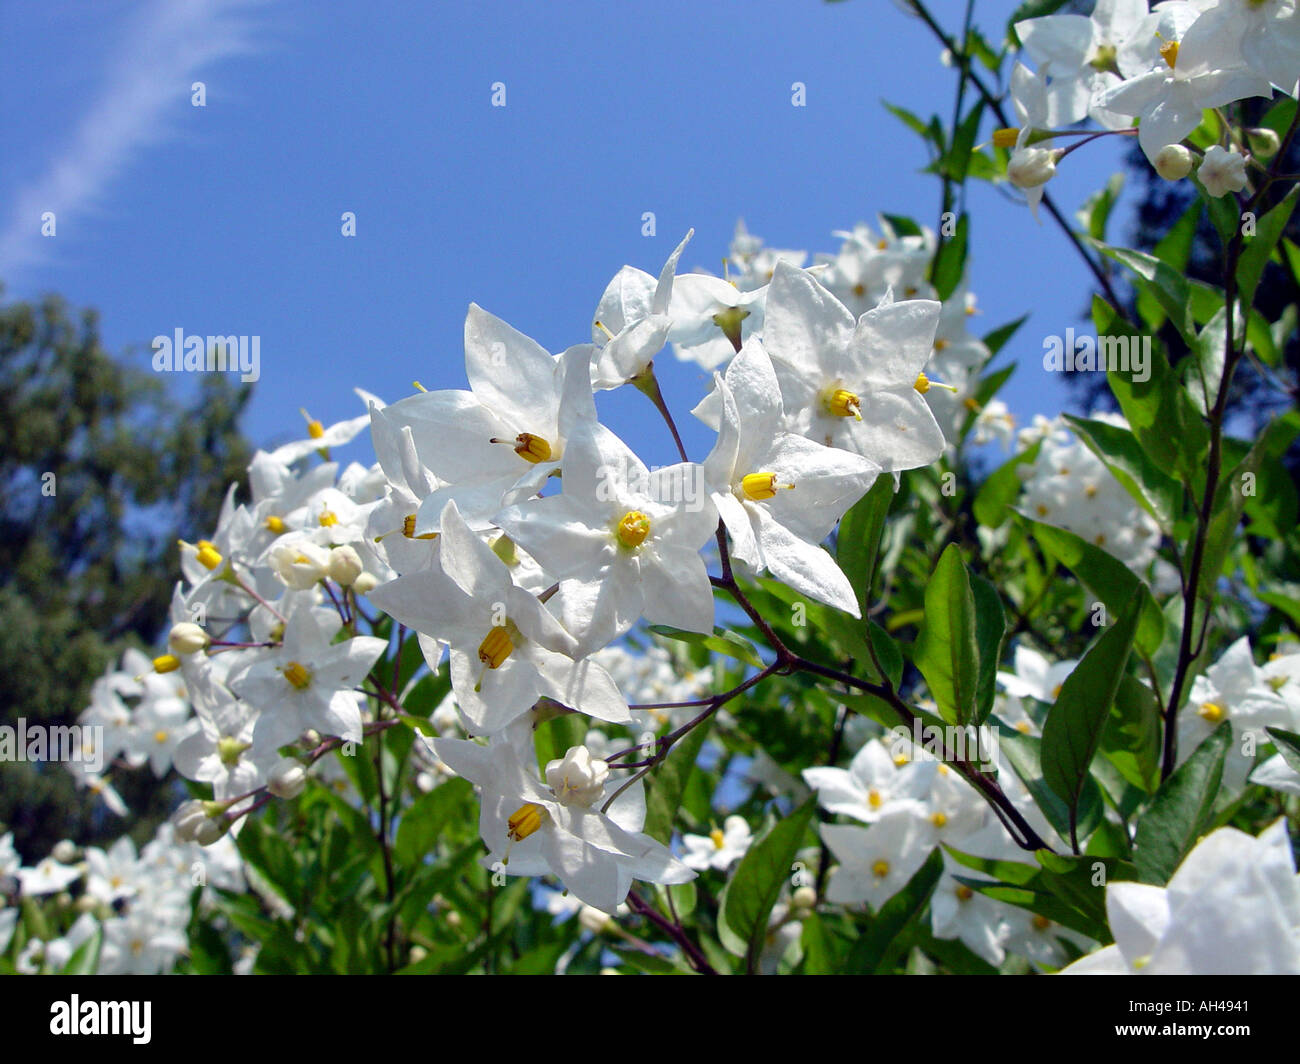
<point>299,564</point>
<point>1264,143</point>
<point>288,778</point>
<point>803,898</point>
<point>65,851</point>
<point>594,920</point>
<point>345,566</point>
<point>195,823</point>
<point>365,583</point>
<point>187,638</point>
<point>1222,171</point>
<point>1174,162</point>
<point>1032,167</point>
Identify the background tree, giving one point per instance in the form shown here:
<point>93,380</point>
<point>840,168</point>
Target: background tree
<point>89,569</point>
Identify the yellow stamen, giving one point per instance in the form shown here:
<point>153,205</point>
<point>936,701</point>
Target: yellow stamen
<point>859,290</point>
<point>922,384</point>
<point>942,345</point>
<point>328,518</point>
<point>1212,712</point>
<point>971,404</point>
<point>495,648</point>
<point>525,821</point>
<point>880,869</point>
<point>873,796</point>
<point>160,736</point>
<point>274,524</point>
<point>601,326</point>
<point>717,837</point>
<point>1006,138</point>
<point>1041,923</point>
<point>842,403</point>
<point>964,893</point>
<point>1169,53</point>
<point>298,676</point>
<point>166,663</point>
<point>314,428</point>
<point>633,529</point>
<point>532,448</point>
<point>938,819</point>
<point>208,555</point>
<point>760,486</point>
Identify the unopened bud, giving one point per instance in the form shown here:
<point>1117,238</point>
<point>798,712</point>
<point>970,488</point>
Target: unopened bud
<point>195,821</point>
<point>187,638</point>
<point>365,583</point>
<point>1174,162</point>
<point>345,566</point>
<point>1032,167</point>
<point>1264,143</point>
<point>288,778</point>
<point>803,898</point>
<point>65,851</point>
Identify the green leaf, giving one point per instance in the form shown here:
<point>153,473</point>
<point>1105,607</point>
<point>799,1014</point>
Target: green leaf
<point>753,890</point>
<point>946,650</point>
<point>1106,577</point>
<point>990,630</point>
<point>1288,745</point>
<point>950,263</point>
<point>1151,487</point>
<point>887,939</point>
<point>723,642</point>
<point>857,544</point>
<point>668,783</point>
<point>1024,754</point>
<point>1255,255</point>
<point>911,121</point>
<point>997,339</point>
<point>1073,729</point>
<point>85,959</point>
<point>996,495</point>
<point>1131,739</point>
<point>1096,209</point>
<point>1182,810</point>
<point>425,820</point>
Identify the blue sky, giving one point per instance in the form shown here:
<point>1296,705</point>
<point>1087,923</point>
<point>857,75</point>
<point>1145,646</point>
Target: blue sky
<point>226,218</point>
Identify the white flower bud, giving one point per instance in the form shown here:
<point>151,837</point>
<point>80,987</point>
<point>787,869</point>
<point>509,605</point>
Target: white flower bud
<point>1174,162</point>
<point>1032,167</point>
<point>345,566</point>
<point>803,898</point>
<point>288,778</point>
<point>1264,143</point>
<point>65,851</point>
<point>187,638</point>
<point>194,822</point>
<point>365,583</point>
<point>1222,171</point>
<point>577,778</point>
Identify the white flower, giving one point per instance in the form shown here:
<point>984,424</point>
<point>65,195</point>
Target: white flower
<point>720,848</point>
<point>876,862</point>
<point>531,829</point>
<point>780,494</point>
<point>1231,908</point>
<point>1222,171</point>
<point>48,877</point>
<point>622,541</point>
<point>507,650</point>
<point>873,784</point>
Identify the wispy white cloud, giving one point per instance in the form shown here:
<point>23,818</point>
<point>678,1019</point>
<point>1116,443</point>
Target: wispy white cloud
<point>158,55</point>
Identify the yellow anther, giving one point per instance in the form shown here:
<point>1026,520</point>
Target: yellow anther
<point>602,327</point>
<point>328,518</point>
<point>1041,510</point>
<point>922,384</point>
<point>298,676</point>
<point>859,290</point>
<point>873,796</point>
<point>274,524</point>
<point>1041,923</point>
<point>963,892</point>
<point>882,244</point>
<point>938,819</point>
<point>208,555</point>
<point>160,736</point>
<point>633,529</point>
<point>532,448</point>
<point>1056,692</point>
<point>900,760</point>
<point>942,345</point>
<point>1169,53</point>
<point>1090,491</point>
<point>971,404</point>
<point>1024,727</point>
<point>495,648</point>
<point>166,663</point>
<point>1006,138</point>
<point>1100,539</point>
<point>760,486</point>
<point>315,430</point>
<point>1212,712</point>
<point>880,869</point>
<point>842,403</point>
<point>525,821</point>
<point>717,837</point>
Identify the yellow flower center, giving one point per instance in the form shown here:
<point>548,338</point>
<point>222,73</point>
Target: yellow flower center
<point>633,529</point>
<point>208,555</point>
<point>843,403</point>
<point>1006,138</point>
<point>328,518</point>
<point>299,676</point>
<point>938,819</point>
<point>1041,923</point>
<point>922,384</point>
<point>274,524</point>
<point>859,290</point>
<point>160,736</point>
<point>1212,712</point>
<point>532,448</point>
<point>873,798</point>
<point>525,821</point>
<point>496,647</point>
<point>760,486</point>
<point>166,663</point>
<point>1169,53</point>
<point>880,869</point>
<point>964,893</point>
<point>315,429</point>
<point>717,837</point>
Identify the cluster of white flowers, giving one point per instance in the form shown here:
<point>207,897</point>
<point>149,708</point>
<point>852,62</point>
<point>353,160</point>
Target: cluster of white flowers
<point>1163,67</point>
<point>138,904</point>
<point>1067,485</point>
